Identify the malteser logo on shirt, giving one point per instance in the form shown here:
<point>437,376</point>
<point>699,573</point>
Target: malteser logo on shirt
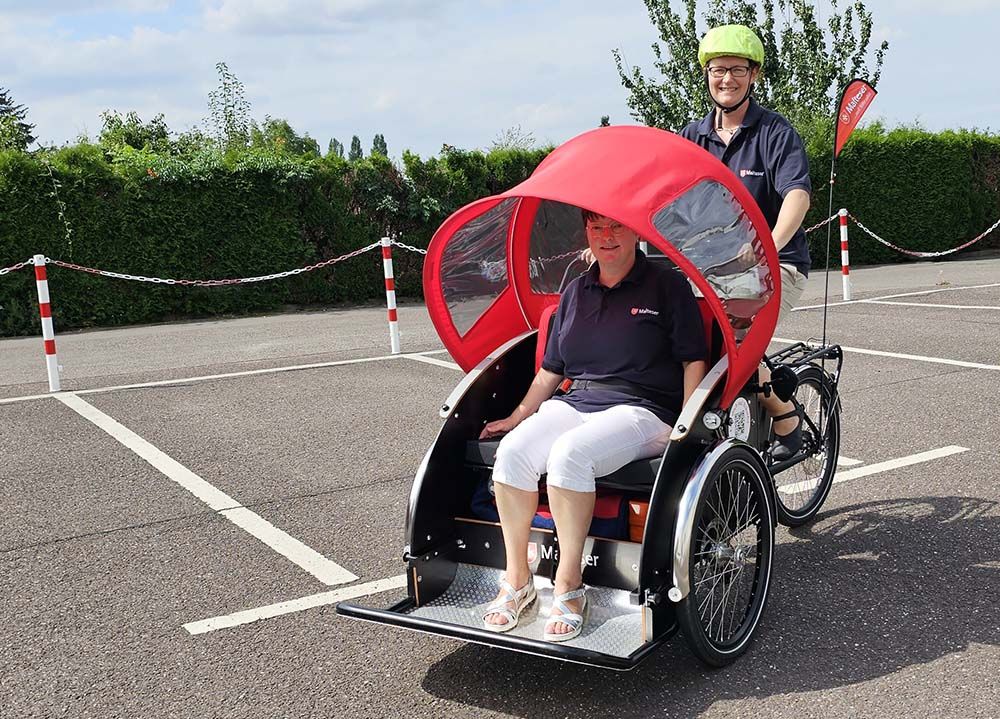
<point>752,173</point>
<point>644,311</point>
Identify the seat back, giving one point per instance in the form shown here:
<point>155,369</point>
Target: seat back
<point>544,325</point>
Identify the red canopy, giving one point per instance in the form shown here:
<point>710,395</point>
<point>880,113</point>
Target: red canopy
<point>495,264</point>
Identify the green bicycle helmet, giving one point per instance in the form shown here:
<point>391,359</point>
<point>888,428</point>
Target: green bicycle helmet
<point>734,40</point>
<point>730,41</point>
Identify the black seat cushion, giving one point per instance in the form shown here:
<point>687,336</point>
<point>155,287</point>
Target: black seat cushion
<point>635,475</point>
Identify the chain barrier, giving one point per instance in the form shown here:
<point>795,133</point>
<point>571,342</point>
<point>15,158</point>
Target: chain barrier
<point>208,283</point>
<point>211,283</point>
<point>418,250</point>
<point>15,268</point>
<point>914,253</point>
<point>563,256</point>
<point>411,248</point>
<point>827,221</point>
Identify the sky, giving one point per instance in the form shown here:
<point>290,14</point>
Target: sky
<point>426,72</point>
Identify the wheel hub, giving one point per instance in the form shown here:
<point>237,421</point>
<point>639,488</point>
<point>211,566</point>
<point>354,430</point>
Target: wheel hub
<point>737,556</point>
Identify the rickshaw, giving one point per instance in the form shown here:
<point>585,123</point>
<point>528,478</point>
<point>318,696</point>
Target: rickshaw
<point>701,563</point>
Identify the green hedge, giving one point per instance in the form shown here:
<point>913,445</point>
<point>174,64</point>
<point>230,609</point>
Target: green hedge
<point>211,215</point>
<point>922,191</point>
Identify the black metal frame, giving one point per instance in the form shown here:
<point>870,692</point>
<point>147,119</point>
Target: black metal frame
<point>798,355</point>
<point>397,615</point>
<point>803,353</point>
<point>439,535</point>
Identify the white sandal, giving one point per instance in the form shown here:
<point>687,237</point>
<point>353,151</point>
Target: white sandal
<point>521,598</point>
<point>570,619</point>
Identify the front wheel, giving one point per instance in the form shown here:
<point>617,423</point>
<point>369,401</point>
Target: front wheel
<point>803,487</point>
<point>731,551</point>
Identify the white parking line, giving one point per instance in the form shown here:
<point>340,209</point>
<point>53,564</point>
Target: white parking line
<point>900,355</point>
<point>901,294</point>
<point>309,559</point>
<point>248,616</point>
<point>227,375</point>
<point>922,304</point>
<point>879,467</point>
<point>295,605</point>
<point>25,398</point>
<point>434,361</point>
<point>843,461</point>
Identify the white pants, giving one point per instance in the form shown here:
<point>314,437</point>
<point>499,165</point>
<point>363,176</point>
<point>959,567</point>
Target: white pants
<point>574,447</point>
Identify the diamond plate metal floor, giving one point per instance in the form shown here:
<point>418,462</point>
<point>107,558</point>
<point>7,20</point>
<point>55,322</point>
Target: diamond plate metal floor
<point>613,626</point>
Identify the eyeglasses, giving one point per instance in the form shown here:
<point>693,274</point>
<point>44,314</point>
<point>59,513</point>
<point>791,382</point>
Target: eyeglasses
<point>718,71</point>
<point>614,230</point>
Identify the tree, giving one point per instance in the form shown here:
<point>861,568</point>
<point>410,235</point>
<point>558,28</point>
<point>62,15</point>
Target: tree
<point>129,130</point>
<point>513,138</point>
<point>379,146</point>
<point>15,133</point>
<point>276,134</point>
<point>804,67</point>
<point>356,152</point>
<point>192,142</point>
<point>605,121</point>
<point>229,110</point>
<point>335,148</point>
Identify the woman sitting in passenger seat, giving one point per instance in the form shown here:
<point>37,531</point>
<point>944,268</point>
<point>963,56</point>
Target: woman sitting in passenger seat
<point>630,336</point>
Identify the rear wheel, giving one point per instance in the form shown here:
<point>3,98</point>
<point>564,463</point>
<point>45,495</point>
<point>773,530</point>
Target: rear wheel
<point>803,487</point>
<point>730,559</point>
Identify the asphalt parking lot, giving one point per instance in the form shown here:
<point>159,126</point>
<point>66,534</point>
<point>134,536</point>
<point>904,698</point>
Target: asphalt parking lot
<point>179,523</point>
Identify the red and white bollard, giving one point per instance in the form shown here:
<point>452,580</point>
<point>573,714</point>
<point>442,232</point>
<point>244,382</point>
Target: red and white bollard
<point>48,332</point>
<point>390,294</point>
<point>845,260</point>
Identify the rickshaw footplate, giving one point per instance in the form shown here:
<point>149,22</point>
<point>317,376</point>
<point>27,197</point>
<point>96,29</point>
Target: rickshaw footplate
<point>613,625</point>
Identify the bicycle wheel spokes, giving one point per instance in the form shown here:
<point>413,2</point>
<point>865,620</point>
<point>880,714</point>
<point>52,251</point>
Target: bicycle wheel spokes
<point>726,568</point>
<point>798,484</point>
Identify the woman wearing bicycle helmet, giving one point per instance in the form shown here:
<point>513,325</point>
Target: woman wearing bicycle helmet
<point>767,154</point>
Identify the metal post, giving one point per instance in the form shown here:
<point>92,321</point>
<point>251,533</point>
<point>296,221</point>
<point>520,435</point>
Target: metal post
<point>48,332</point>
<point>845,260</point>
<point>390,294</point>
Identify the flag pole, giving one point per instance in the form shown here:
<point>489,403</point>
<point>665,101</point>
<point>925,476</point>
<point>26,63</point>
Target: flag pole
<point>858,95</point>
<point>829,225</point>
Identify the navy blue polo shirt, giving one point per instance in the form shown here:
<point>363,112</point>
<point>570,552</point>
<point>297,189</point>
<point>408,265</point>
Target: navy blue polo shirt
<point>768,156</point>
<point>640,330</point>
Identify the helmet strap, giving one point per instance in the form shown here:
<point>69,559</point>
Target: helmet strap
<point>730,108</point>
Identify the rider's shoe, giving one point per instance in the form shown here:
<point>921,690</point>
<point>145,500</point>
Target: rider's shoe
<point>509,605</point>
<point>573,620</point>
<point>786,446</point>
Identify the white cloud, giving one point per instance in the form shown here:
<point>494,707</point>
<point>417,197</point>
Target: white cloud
<point>941,7</point>
<point>384,100</point>
<point>308,17</point>
<point>47,8</point>
<point>887,32</point>
<point>420,73</point>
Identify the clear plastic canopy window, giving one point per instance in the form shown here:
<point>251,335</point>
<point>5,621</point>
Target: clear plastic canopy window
<point>709,227</point>
<point>474,265</point>
<point>557,238</point>
<point>706,224</point>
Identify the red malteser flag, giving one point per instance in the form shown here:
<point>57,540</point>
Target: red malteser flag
<point>857,96</point>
